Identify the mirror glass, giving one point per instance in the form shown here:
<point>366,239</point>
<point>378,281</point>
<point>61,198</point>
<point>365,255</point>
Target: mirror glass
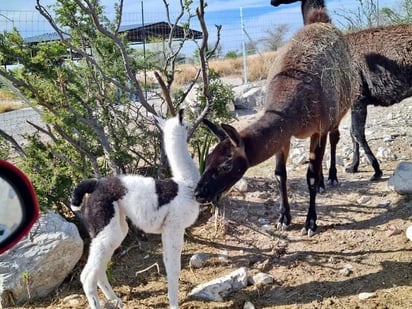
<point>11,213</point>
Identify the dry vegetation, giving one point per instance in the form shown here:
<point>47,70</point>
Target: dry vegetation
<point>257,68</point>
<point>8,101</point>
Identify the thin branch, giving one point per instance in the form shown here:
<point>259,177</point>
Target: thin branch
<point>14,143</point>
<point>122,48</point>
<point>166,94</point>
<point>204,69</point>
<point>148,268</point>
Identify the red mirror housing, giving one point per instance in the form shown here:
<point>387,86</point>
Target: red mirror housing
<point>21,200</point>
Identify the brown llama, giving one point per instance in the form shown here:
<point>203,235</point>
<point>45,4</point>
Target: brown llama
<point>383,57</point>
<point>310,88</point>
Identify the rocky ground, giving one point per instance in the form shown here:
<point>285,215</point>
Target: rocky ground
<point>360,246</point>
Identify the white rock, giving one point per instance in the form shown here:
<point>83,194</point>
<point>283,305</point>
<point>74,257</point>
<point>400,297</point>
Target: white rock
<point>385,153</point>
<point>384,204</point>
<point>388,138</point>
<point>300,159</point>
<point>224,256</point>
<point>366,295</point>
<point>346,270</point>
<point>241,185</point>
<point>248,305</point>
<point>264,221</point>
<point>401,180</point>
<point>409,232</point>
<point>40,262</point>
<point>198,260</point>
<point>262,279</point>
<point>268,228</point>
<point>219,288</point>
<point>364,199</point>
<point>74,300</point>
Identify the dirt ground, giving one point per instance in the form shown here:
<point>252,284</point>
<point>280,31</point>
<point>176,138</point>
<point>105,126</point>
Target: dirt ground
<point>361,230</point>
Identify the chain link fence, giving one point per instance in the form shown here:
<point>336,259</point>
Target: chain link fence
<point>243,30</point>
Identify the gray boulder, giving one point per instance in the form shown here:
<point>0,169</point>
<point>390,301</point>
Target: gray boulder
<point>249,96</point>
<point>218,289</point>
<point>39,262</point>
<point>401,180</point>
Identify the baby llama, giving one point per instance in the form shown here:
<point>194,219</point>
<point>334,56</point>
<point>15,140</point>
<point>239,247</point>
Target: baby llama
<point>156,206</point>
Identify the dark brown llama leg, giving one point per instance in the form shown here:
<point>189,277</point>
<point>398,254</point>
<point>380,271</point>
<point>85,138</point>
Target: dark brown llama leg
<point>281,177</point>
<point>358,114</point>
<point>317,149</point>
<point>334,137</point>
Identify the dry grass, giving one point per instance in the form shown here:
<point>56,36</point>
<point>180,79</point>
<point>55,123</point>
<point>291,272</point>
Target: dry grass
<point>7,95</point>
<point>258,68</point>
<point>9,101</point>
<point>9,106</point>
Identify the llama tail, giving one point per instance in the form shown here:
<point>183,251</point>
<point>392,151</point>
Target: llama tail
<point>318,15</point>
<point>86,186</point>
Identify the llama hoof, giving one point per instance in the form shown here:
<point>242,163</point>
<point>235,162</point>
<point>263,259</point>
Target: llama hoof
<point>303,231</point>
<point>282,226</point>
<point>113,304</point>
<point>311,233</point>
<point>308,232</point>
<point>333,182</point>
<point>376,177</point>
<point>351,169</point>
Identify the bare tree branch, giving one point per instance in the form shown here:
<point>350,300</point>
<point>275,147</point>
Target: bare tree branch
<point>204,69</point>
<point>13,143</point>
<point>166,94</point>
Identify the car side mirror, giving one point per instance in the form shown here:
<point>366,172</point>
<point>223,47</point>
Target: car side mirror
<point>19,208</point>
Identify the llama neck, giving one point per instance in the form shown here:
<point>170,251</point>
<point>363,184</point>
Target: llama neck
<point>307,5</point>
<point>181,163</point>
<point>266,137</point>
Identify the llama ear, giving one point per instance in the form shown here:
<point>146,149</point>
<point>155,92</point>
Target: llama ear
<point>181,112</point>
<point>217,131</point>
<point>160,122</point>
<point>233,135</point>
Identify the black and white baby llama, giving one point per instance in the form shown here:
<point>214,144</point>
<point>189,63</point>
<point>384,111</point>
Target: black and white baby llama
<point>155,206</point>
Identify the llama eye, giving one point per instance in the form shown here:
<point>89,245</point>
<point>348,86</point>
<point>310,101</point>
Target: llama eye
<point>226,166</point>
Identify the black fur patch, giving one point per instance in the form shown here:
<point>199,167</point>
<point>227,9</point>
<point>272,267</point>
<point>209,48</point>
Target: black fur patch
<point>99,209</point>
<point>166,191</point>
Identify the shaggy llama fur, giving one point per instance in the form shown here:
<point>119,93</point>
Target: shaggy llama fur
<point>310,88</point>
<point>383,59</point>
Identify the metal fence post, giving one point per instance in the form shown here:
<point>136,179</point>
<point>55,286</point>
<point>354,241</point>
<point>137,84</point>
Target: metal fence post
<point>244,56</point>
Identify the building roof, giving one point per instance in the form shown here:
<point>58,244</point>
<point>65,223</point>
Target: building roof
<point>136,33</point>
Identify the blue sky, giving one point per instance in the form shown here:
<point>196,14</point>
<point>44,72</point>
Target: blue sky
<point>224,12</point>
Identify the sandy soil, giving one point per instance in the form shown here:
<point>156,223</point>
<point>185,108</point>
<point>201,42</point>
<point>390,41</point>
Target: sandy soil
<point>361,229</point>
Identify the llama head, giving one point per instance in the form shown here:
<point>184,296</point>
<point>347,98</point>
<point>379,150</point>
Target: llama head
<point>225,165</point>
<point>175,126</point>
<point>279,2</point>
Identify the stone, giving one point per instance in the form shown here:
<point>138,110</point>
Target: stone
<point>249,96</point>
<point>409,232</point>
<point>40,262</point>
<point>224,256</point>
<point>268,228</point>
<point>401,180</point>
<point>385,153</point>
<point>346,270</point>
<point>261,279</point>
<point>384,204</point>
<point>248,305</point>
<point>74,300</point>
<point>364,199</point>
<point>366,295</point>
<point>219,288</point>
<point>264,221</point>
<point>241,185</point>
<point>198,260</point>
